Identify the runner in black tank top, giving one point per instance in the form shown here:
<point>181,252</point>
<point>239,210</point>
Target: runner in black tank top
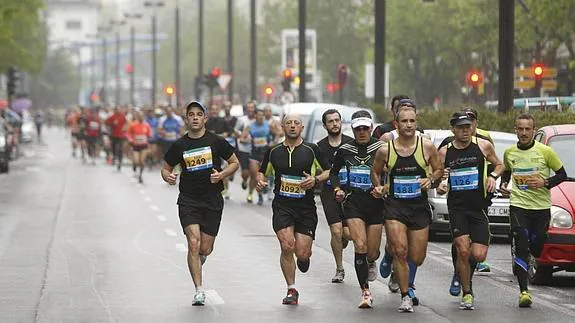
<point>468,184</point>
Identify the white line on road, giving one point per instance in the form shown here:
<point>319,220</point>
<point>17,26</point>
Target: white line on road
<point>33,169</point>
<point>551,297</point>
<point>148,199</point>
<point>566,305</point>
<point>213,298</point>
<point>181,247</point>
<point>154,208</point>
<point>171,232</point>
<point>142,192</point>
<point>162,218</point>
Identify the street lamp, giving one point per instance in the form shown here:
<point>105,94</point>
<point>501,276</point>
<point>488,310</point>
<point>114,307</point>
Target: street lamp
<point>117,63</point>
<point>154,5</point>
<point>132,55</point>
<point>102,32</point>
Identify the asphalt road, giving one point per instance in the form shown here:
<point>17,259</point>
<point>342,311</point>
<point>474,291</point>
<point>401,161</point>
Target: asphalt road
<point>84,243</point>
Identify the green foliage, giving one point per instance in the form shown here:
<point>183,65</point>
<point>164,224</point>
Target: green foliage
<point>21,35</point>
<point>57,83</point>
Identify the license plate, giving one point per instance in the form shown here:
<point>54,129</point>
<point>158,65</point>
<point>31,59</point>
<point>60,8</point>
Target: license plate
<point>498,211</point>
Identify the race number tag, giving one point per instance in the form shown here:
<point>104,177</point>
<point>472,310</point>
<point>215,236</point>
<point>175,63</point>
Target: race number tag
<point>94,125</point>
<point>342,177</point>
<point>170,135</point>
<point>406,187</point>
<point>290,186</point>
<point>260,142</point>
<point>521,175</point>
<point>198,159</point>
<point>140,139</point>
<point>464,179</point>
<point>359,177</point>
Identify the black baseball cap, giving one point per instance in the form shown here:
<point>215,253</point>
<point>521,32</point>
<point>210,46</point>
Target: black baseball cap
<point>460,119</point>
<point>406,103</point>
<point>196,104</point>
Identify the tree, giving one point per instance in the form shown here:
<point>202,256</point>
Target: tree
<point>57,83</point>
<point>22,35</point>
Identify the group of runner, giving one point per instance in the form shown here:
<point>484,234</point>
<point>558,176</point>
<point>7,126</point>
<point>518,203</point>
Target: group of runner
<point>368,183</point>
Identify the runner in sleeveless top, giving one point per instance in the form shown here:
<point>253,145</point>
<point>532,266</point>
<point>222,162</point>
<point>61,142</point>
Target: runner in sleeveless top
<point>362,210</point>
<point>139,134</point>
<point>465,159</point>
<point>93,126</point>
<point>407,211</point>
<point>261,137</point>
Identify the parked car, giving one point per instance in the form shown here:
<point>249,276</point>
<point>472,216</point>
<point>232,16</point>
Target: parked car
<point>498,212</point>
<point>4,154</point>
<point>559,249</point>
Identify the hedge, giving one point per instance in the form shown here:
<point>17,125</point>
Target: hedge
<point>488,119</point>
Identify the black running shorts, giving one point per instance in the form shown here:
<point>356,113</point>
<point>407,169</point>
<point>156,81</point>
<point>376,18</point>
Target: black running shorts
<point>474,223</point>
<point>332,209</point>
<point>205,211</point>
<point>415,216</point>
<point>370,210</point>
<point>244,159</point>
<point>303,217</point>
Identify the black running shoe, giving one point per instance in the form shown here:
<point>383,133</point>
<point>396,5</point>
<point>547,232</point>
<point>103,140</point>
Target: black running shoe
<point>303,265</point>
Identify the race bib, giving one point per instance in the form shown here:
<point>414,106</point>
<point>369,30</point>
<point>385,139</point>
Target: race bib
<point>464,179</point>
<point>359,177</point>
<point>521,175</point>
<point>198,159</point>
<point>342,177</point>
<point>94,125</point>
<point>290,186</point>
<point>140,139</point>
<point>170,135</point>
<point>260,142</point>
<point>406,187</point>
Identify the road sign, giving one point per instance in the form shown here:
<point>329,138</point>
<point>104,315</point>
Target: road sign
<point>526,84</point>
<point>224,80</point>
<point>287,97</point>
<point>549,85</point>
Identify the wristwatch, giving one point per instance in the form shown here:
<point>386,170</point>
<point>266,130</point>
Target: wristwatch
<point>494,175</point>
<point>316,179</point>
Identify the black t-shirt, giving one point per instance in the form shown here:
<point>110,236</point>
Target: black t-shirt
<point>231,121</point>
<point>289,167</point>
<point>327,150</point>
<point>197,157</point>
<point>218,126</point>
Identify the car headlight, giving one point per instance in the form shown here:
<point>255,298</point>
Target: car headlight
<point>560,218</point>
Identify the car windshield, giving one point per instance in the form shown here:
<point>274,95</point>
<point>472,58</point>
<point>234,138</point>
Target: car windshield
<point>563,146</point>
<point>319,131</point>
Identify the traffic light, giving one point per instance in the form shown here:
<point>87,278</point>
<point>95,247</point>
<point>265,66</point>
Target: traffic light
<point>269,90</point>
<point>216,72</point>
<point>538,71</point>
<point>287,79</point>
<point>128,68</point>
<point>170,90</point>
<point>474,78</point>
<point>342,75</point>
<point>211,80</point>
<point>12,83</point>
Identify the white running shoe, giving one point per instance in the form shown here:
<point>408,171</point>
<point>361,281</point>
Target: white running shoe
<point>366,299</point>
<point>406,305</point>
<point>199,299</point>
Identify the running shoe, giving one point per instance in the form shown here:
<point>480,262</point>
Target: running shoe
<point>339,276</point>
<point>250,198</point>
<point>226,194</point>
<point>411,293</point>
<point>291,297</point>
<point>372,274</point>
<point>366,299</point>
<point>483,267</point>
<point>260,199</point>
<point>140,179</point>
<point>525,299</point>
<point>466,302</point>
<point>303,265</point>
<point>244,185</point>
<point>203,259</point>
<point>455,288</point>
<point>406,305</point>
<point>199,298</point>
<point>385,267</point>
<point>393,285</point>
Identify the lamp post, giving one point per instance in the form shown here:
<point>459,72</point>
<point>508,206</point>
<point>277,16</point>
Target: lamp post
<point>118,92</point>
<point>132,56</point>
<point>154,5</point>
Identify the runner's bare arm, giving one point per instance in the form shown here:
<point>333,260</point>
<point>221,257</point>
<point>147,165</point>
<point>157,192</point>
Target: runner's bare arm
<point>167,174</point>
<point>378,167</point>
<point>489,152</point>
<point>434,160</point>
<point>233,165</point>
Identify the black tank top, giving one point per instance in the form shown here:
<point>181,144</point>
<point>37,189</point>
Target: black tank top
<point>467,176</point>
<point>405,172</point>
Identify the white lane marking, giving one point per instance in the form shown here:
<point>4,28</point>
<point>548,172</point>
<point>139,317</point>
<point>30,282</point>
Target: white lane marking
<point>171,232</point>
<point>213,298</point>
<point>154,208</point>
<point>163,219</point>
<point>550,297</point>
<point>181,247</point>
<point>33,169</point>
<point>435,252</point>
<point>148,199</point>
<point>142,192</point>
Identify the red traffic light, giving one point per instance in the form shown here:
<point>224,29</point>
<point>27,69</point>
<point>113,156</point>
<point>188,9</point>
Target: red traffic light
<point>538,70</point>
<point>216,72</point>
<point>129,68</point>
<point>287,73</point>
<point>269,90</point>
<point>170,90</point>
<point>474,77</point>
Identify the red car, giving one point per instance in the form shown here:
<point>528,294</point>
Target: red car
<point>559,248</point>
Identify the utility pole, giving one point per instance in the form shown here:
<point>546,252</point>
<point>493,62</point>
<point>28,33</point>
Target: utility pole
<point>506,62</point>
<point>132,64</point>
<point>104,97</point>
<point>302,49</point>
<point>177,57</point>
<point>93,67</point>
<point>200,47</point>
<point>118,85</point>
<point>379,57</point>
<point>253,50</point>
<point>231,49</point>
<point>154,72</point>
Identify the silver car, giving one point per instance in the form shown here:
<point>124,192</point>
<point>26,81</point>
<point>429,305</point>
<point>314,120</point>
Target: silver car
<point>498,212</point>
